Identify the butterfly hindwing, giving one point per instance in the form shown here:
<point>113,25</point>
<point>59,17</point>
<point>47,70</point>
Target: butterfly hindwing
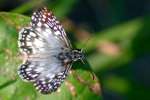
<point>48,85</point>
<point>27,71</point>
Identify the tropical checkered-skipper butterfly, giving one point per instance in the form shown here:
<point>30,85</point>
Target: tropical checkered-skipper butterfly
<point>49,54</point>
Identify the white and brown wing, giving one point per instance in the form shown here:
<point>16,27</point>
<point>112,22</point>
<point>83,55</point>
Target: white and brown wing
<point>41,42</point>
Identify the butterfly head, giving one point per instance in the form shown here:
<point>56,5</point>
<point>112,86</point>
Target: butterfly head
<point>78,55</point>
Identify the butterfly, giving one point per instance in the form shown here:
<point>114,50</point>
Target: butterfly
<point>48,53</point>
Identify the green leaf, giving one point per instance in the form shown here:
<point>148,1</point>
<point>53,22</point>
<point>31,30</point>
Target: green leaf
<point>79,85</point>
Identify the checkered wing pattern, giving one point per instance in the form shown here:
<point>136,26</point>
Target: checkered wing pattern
<point>40,43</point>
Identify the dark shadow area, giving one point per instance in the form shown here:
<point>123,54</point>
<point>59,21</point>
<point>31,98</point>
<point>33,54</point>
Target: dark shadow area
<point>101,14</point>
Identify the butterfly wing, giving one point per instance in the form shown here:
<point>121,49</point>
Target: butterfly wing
<point>41,43</point>
<point>44,28</point>
<point>43,18</point>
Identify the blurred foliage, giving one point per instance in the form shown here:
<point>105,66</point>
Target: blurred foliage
<point>60,8</point>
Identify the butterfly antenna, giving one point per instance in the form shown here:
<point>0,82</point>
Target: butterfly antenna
<point>84,49</point>
<point>82,60</point>
<point>85,45</point>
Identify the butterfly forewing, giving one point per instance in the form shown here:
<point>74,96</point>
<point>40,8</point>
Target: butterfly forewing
<point>42,42</point>
<point>30,42</point>
<point>42,18</point>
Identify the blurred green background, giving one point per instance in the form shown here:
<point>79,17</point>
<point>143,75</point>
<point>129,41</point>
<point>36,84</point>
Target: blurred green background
<point>115,36</point>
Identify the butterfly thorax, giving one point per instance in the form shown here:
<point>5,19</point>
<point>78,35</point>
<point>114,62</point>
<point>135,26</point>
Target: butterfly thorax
<point>68,56</point>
